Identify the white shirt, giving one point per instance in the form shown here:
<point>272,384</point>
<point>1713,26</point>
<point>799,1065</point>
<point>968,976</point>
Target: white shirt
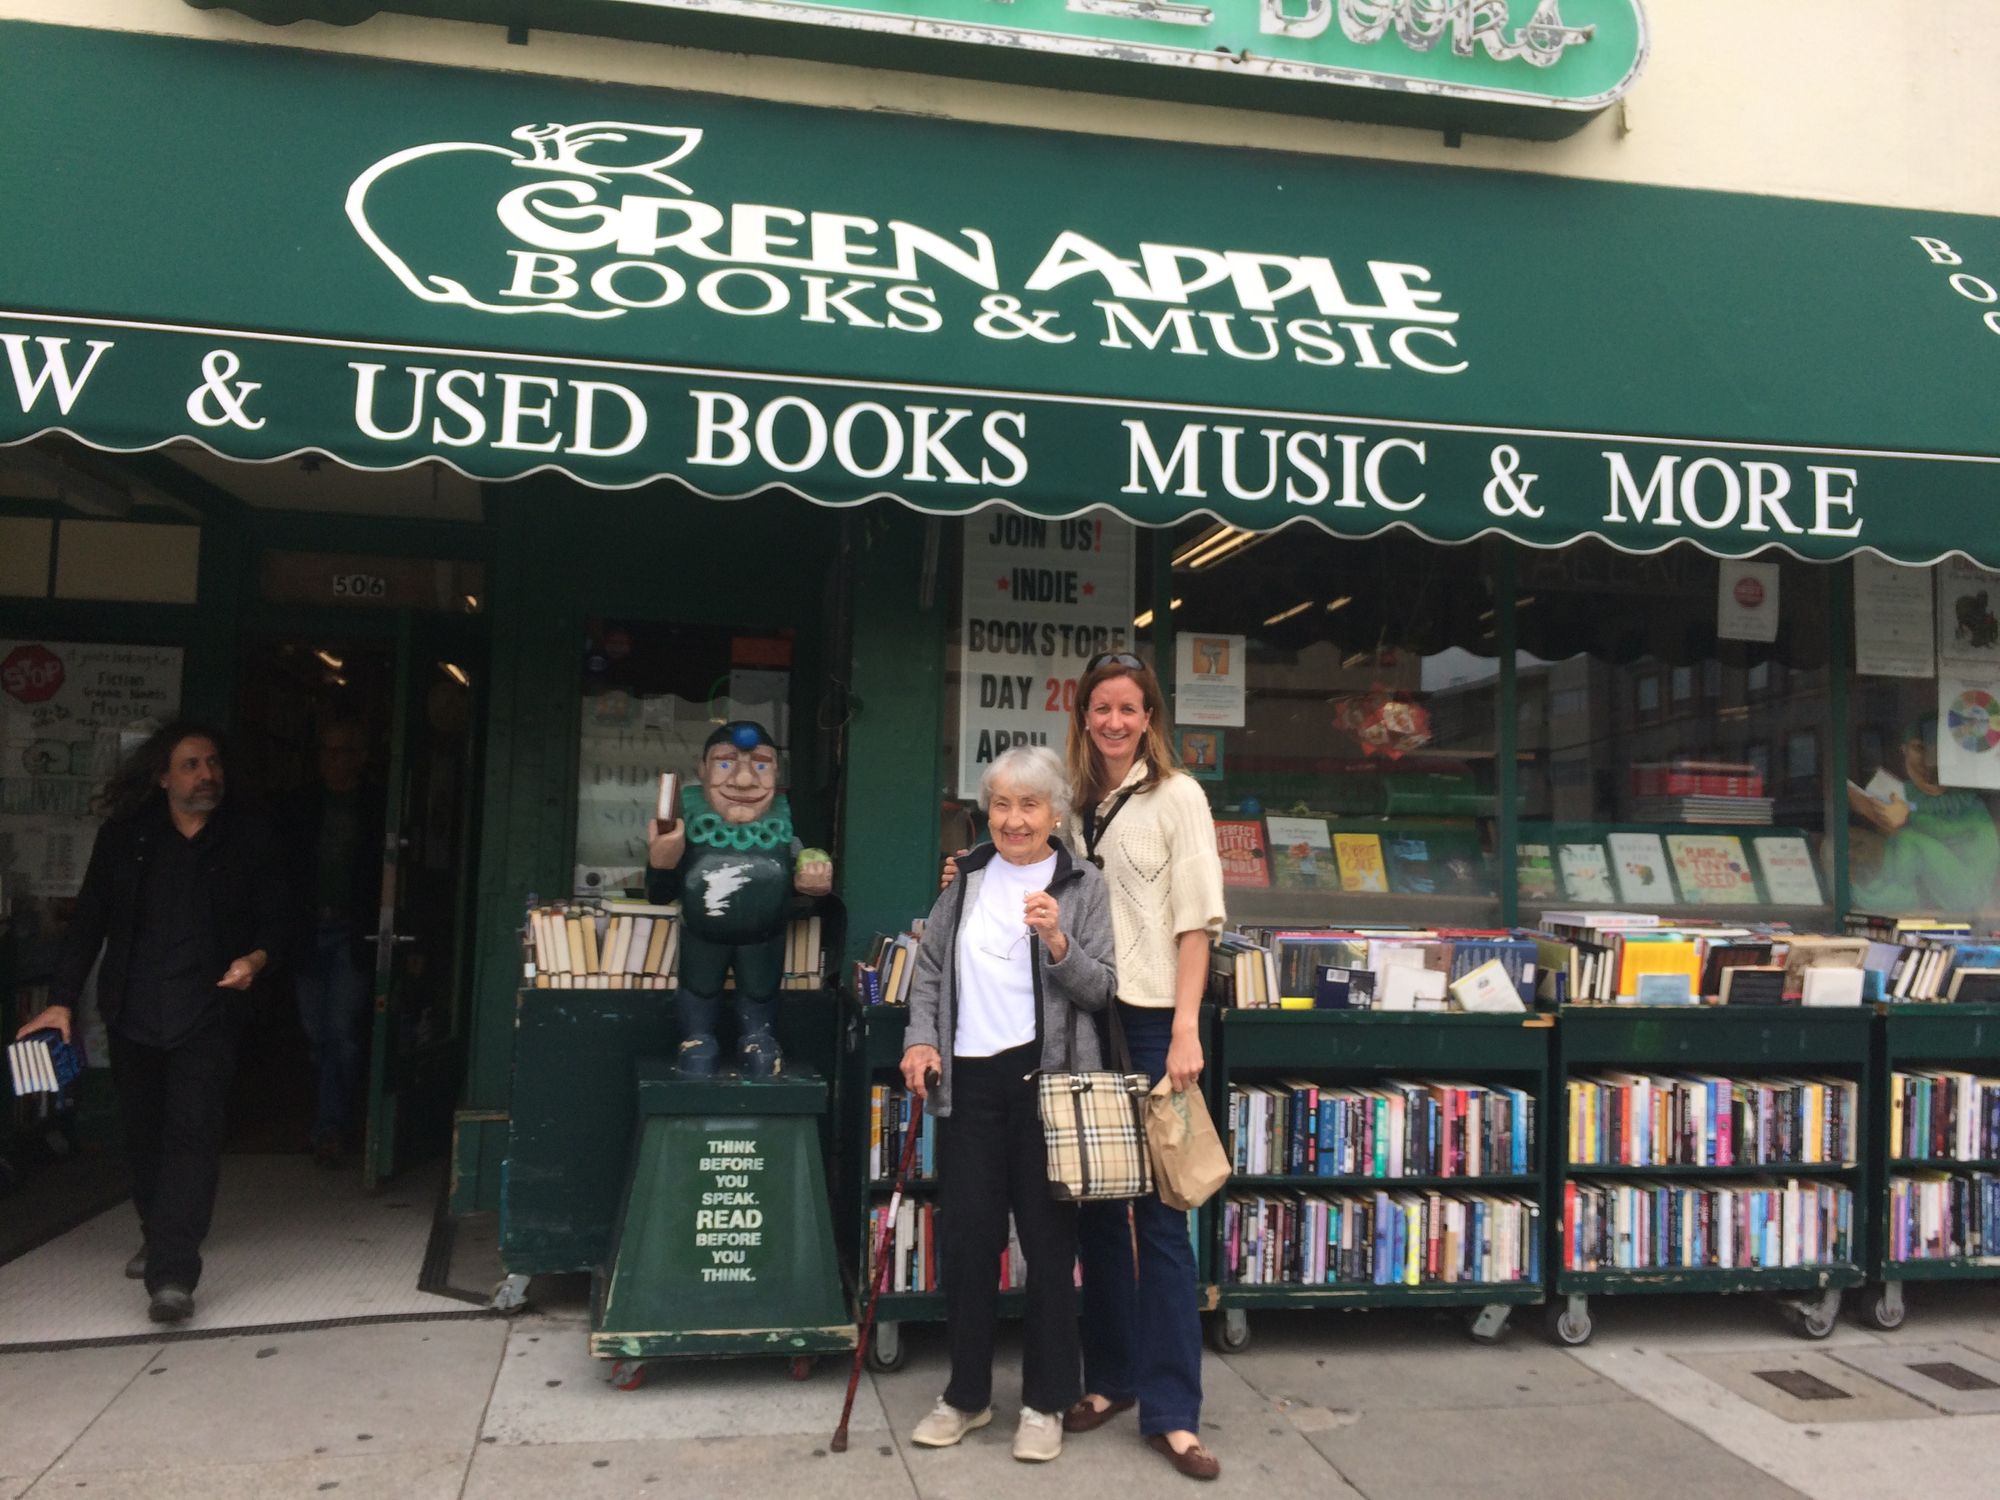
<point>996,994</point>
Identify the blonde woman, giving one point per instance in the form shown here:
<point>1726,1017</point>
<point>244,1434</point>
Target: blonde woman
<point>1145,823</point>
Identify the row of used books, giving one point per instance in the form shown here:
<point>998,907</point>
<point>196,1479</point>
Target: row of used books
<point>635,945</point>
<point>601,945</point>
<point>1760,1223</point>
<point>1941,1114</point>
<point>1701,1120</point>
<point>892,1112</point>
<point>1397,1128</point>
<point>1372,968</point>
<point>1603,957</point>
<point>1379,1239</point>
<point>884,976</point>
<point>914,1254</point>
<point>1943,1216</point>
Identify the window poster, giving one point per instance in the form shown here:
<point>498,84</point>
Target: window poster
<point>1040,598</point>
<point>68,713</point>
<point>1209,685</point>
<point>1894,628</point>
<point>1747,602</point>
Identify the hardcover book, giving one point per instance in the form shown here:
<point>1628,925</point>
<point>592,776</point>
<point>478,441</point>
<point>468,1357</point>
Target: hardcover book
<point>1586,873</point>
<point>1790,878</point>
<point>1361,866</point>
<point>1641,865</point>
<point>1535,869</point>
<point>1301,854</point>
<point>1240,843</point>
<point>1713,869</point>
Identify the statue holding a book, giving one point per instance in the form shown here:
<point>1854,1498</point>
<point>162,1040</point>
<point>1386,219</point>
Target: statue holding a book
<point>732,861</point>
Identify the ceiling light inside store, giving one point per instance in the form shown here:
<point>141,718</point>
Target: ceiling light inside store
<point>1286,614</point>
<point>456,673</point>
<point>472,604</point>
<point>330,659</point>
<point>1341,603</point>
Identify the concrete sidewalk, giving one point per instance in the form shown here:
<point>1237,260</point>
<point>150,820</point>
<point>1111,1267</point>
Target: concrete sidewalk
<point>1674,1396</point>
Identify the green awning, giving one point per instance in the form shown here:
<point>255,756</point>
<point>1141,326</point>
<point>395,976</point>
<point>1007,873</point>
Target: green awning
<point>274,252</point>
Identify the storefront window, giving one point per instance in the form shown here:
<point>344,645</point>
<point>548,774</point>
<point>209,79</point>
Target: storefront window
<point>1667,762</point>
<point>652,691</point>
<point>1923,793</point>
<point>1339,699</point>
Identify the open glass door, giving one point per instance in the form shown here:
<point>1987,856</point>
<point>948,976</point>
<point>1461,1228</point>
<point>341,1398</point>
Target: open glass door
<point>420,944</point>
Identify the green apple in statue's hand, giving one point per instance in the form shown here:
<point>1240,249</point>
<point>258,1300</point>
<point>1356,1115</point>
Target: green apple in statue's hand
<point>812,872</point>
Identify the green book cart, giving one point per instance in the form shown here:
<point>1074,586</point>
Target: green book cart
<point>1358,1048</point>
<point>1741,1042</point>
<point>1964,1037</point>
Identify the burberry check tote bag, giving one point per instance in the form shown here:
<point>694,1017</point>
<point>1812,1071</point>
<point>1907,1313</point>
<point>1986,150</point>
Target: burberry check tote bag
<point>1095,1126</point>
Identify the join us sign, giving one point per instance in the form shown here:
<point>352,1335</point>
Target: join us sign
<point>1537,68</point>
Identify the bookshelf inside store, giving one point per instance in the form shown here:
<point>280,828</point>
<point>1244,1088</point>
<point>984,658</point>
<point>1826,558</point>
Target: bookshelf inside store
<point>1376,1153</point>
<point>1709,1148</point>
<point>1938,1151</point>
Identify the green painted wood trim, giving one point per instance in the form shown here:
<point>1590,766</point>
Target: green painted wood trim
<point>1839,665</point>
<point>889,826</point>
<point>1507,709</point>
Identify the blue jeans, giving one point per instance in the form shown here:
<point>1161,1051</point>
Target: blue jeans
<point>333,993</point>
<point>1141,1325</point>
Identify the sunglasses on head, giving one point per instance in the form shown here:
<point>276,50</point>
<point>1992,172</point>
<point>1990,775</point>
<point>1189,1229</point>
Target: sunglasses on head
<point>1114,659</point>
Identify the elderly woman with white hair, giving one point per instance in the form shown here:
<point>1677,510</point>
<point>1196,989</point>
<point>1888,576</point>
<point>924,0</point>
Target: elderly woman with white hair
<point>1011,953</point>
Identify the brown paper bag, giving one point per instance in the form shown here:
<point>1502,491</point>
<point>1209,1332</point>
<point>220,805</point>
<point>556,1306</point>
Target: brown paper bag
<point>1188,1160</point>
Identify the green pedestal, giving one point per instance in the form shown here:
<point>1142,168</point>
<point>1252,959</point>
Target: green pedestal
<point>725,1242</point>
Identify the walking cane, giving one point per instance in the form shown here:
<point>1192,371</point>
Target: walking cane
<point>839,1443</point>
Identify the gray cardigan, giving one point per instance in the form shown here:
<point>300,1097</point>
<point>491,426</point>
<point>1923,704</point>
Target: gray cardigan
<point>1086,979</point>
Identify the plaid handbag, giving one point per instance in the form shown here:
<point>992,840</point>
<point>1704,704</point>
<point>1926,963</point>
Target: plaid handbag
<point>1094,1125</point>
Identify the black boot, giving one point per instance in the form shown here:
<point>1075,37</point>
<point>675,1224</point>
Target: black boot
<point>756,1044</point>
<point>697,1014</point>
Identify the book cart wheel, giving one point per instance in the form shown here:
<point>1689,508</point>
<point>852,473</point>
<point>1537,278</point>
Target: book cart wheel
<point>1229,1333</point>
<point>1815,1319</point>
<point>1568,1321</point>
<point>1488,1323</point>
<point>628,1374</point>
<point>1885,1308</point>
<point>885,1350</point>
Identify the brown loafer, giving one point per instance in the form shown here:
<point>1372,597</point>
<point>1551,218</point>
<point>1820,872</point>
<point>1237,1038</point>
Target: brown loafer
<point>1083,1417</point>
<point>1196,1463</point>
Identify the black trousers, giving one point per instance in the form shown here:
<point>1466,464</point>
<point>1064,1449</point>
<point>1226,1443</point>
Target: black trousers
<point>993,1160</point>
<point>172,1103</point>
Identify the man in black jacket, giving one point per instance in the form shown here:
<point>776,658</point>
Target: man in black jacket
<point>186,898</point>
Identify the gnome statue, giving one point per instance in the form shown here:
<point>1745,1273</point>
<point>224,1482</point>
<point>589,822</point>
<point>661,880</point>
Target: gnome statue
<point>732,862</point>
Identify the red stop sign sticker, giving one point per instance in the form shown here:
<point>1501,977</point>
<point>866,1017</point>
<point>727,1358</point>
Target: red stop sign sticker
<point>1749,592</point>
<point>31,674</point>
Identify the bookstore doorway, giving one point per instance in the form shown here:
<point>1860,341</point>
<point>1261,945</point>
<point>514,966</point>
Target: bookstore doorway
<point>360,745</point>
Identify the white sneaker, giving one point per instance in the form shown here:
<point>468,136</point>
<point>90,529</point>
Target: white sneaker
<point>947,1424</point>
<point>1039,1437</point>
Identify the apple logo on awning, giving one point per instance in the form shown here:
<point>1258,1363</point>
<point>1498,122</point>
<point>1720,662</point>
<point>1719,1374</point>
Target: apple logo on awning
<point>405,198</point>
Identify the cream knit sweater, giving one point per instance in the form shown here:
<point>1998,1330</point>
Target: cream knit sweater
<point>1165,878</point>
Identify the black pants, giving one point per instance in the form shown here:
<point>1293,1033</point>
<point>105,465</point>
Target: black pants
<point>171,1102</point>
<point>993,1161</point>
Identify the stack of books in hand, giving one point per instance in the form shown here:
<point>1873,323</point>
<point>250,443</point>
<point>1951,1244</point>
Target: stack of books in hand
<point>42,1063</point>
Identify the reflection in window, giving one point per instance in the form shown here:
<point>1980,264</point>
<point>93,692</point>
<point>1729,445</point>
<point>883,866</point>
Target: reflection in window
<point>1355,779</point>
<point>652,691</point>
<point>1646,776</point>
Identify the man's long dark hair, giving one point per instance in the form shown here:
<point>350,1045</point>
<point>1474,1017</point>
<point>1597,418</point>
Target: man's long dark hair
<point>136,782</point>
